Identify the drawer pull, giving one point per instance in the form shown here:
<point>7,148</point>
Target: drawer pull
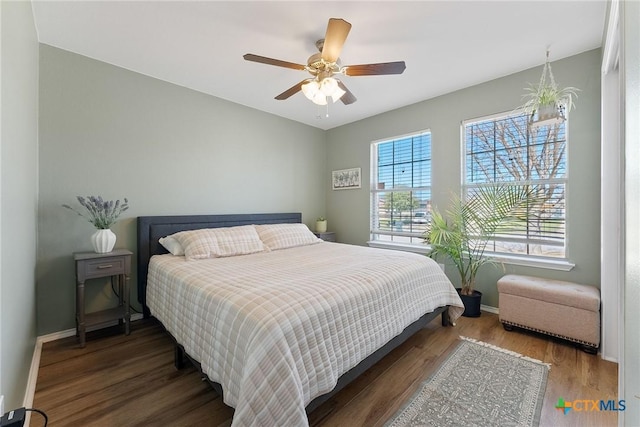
<point>102,267</point>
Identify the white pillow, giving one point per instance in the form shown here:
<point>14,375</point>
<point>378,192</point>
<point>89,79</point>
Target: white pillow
<point>282,236</point>
<point>172,245</point>
<point>220,242</point>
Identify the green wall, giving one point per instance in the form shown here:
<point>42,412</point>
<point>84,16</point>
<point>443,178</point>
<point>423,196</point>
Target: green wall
<point>170,150</point>
<point>111,132</point>
<point>19,193</point>
<point>349,146</point>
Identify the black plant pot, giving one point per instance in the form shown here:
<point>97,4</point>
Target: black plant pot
<point>471,303</point>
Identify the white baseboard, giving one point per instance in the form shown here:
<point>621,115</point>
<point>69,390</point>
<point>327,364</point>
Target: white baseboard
<point>489,309</point>
<point>71,332</point>
<point>37,353</point>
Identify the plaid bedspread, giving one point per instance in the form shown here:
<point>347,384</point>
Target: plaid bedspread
<point>277,329</point>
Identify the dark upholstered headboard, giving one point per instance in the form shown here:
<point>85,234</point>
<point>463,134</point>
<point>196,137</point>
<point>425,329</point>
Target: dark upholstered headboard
<point>152,228</point>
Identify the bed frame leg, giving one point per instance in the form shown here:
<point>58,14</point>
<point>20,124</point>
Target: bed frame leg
<point>179,358</point>
<point>445,317</point>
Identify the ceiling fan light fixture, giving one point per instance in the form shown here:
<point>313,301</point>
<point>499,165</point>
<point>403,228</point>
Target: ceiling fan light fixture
<point>318,91</point>
<point>328,86</point>
<point>337,94</point>
<point>320,99</point>
<point>312,91</point>
<point>310,88</point>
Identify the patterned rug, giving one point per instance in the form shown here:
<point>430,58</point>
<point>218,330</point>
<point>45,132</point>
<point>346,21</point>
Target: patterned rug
<point>478,385</point>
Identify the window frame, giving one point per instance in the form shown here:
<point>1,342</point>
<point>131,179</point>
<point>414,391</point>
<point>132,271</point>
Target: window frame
<point>531,260</point>
<point>374,216</point>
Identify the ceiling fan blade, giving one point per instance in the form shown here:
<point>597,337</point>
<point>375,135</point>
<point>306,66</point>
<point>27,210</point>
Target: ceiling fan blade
<point>271,61</point>
<point>337,31</point>
<point>291,91</point>
<point>348,97</point>
<point>375,69</point>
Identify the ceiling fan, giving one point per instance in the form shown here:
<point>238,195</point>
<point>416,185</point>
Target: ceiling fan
<point>325,64</point>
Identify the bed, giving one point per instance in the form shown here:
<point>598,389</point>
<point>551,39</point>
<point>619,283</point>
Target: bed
<point>280,330</point>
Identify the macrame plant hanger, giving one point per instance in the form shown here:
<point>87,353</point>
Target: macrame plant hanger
<point>547,103</point>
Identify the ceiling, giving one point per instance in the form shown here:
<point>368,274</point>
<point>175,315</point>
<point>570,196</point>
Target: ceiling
<point>447,45</point>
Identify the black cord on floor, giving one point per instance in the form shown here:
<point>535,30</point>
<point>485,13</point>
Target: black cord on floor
<point>46,419</point>
<point>113,289</point>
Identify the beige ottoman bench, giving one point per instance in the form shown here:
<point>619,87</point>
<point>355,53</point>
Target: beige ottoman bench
<point>562,309</point>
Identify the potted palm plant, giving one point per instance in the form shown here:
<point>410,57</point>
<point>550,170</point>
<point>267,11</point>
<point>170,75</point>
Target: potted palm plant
<point>463,234</point>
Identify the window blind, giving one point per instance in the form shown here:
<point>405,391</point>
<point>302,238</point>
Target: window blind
<point>401,188</point>
<point>505,150</point>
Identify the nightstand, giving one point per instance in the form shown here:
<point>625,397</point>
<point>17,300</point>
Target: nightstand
<point>91,265</point>
<point>327,236</point>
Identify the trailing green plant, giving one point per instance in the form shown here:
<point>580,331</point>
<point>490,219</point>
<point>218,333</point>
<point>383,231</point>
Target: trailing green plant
<point>464,231</point>
<point>548,94</point>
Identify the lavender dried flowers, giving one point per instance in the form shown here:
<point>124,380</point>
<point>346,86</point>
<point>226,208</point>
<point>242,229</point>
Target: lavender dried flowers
<point>101,213</point>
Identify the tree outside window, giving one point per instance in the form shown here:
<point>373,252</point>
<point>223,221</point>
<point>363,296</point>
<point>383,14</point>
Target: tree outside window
<point>506,150</point>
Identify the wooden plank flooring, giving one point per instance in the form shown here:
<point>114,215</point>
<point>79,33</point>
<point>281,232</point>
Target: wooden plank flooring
<point>119,380</point>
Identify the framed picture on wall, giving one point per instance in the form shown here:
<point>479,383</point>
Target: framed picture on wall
<point>346,179</point>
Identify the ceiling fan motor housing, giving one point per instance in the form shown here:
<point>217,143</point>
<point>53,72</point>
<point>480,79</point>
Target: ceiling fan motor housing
<point>316,65</point>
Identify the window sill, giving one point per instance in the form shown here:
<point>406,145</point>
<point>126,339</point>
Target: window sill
<point>546,263</point>
<point>418,249</point>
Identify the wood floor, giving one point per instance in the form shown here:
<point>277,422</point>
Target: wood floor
<point>119,380</point>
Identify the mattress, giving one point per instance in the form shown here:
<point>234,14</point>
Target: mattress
<point>277,329</point>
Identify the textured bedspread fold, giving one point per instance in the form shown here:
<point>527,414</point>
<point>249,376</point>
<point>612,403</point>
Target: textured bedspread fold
<point>277,329</point>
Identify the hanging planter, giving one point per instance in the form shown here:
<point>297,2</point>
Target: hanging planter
<point>548,111</point>
<point>546,103</point>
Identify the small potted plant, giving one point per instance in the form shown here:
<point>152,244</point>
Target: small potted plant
<point>102,214</point>
<point>321,225</point>
<point>470,224</point>
<point>547,99</point>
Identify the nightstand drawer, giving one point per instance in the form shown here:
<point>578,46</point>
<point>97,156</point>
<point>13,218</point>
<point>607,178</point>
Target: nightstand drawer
<point>104,267</point>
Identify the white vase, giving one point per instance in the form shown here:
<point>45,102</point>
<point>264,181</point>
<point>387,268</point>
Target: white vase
<point>321,226</point>
<point>103,241</point>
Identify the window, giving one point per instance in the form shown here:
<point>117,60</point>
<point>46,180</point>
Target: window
<point>401,188</point>
<point>505,150</point>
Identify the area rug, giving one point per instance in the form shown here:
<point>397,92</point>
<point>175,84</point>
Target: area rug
<point>478,385</point>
